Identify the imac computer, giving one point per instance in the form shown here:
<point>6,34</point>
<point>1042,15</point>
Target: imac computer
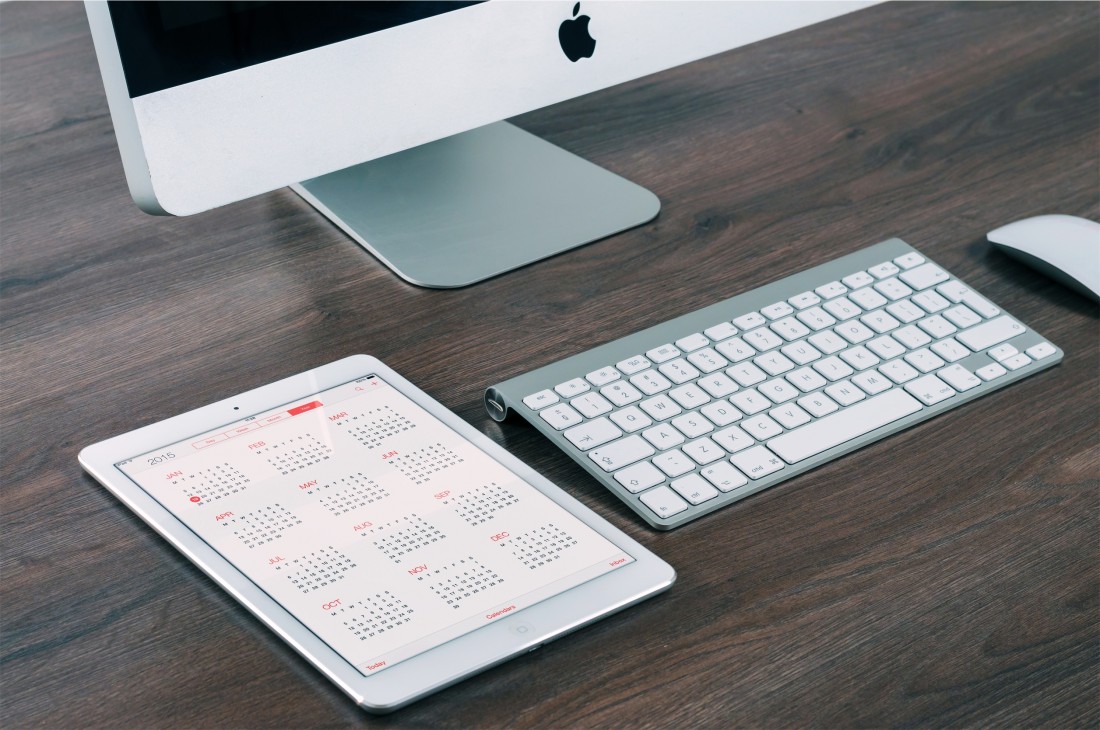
<point>386,116</point>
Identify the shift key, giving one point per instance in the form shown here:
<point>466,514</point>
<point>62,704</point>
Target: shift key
<point>993,332</point>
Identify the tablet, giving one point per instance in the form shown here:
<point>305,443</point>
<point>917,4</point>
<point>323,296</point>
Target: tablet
<point>386,540</point>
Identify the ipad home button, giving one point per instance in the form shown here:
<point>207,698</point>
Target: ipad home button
<point>522,629</point>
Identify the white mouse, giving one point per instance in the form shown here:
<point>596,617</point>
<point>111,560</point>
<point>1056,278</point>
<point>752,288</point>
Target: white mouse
<point>1064,247</point>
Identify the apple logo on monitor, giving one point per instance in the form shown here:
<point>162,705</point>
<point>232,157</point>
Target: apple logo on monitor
<point>576,41</point>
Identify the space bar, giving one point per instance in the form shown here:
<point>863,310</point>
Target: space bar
<point>846,425</point>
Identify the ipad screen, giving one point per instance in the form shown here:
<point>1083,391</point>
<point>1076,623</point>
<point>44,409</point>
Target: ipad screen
<point>380,528</point>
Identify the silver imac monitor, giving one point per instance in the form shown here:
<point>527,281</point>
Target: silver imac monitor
<point>386,116</point>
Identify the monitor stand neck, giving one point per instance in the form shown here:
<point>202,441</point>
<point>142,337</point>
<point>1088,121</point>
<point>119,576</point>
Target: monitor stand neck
<point>462,209</point>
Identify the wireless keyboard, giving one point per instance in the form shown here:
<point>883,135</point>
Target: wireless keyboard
<point>703,410</point>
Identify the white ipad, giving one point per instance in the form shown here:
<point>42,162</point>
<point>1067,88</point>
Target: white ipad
<point>391,544</point>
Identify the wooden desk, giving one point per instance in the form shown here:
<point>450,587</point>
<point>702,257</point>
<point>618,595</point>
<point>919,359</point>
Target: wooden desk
<point>946,576</point>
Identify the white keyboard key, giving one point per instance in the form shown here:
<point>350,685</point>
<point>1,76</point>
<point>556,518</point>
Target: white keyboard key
<point>721,331</point>
<point>663,436</point>
<point>591,405</point>
<point>732,439</point>
<point>930,389</point>
<point>774,363</point>
<point>883,270</point>
<point>830,290</point>
<point>858,279</point>
<point>827,342</point>
<point>603,376</point>
<point>958,378</point>
<point>843,308</point>
<point>860,358</point>
<point>909,260</point>
<point>937,326</point>
<point>621,394</point>
<point>664,502</point>
<point>623,452</point>
<point>735,349</point>
<point>886,347</point>
<point>592,434</point>
<point>818,404</point>
<point>950,350</point>
<point>881,321</point>
<point>717,385</point>
<point>845,393</point>
<point>906,311</point>
<point>833,368</point>
<point>806,379</point>
<point>543,398</point>
<point>664,353</point>
<point>911,337</point>
<point>750,320</point>
<point>757,462</point>
<point>650,382</point>
<point>804,300</point>
<point>1017,361</point>
<point>679,371</point>
<point>560,416</point>
<point>778,390</point>
<point>924,276</point>
<point>843,426</point>
<point>673,463</point>
<point>573,387</point>
<point>633,365</point>
<point>761,427</point>
<point>724,476</point>
<point>721,413</point>
<point>962,316</point>
<point>957,292</point>
<point>777,310</point>
<point>747,374</point>
<point>750,401</point>
<point>640,476</point>
<point>924,360</point>
<point>872,382</point>
<point>868,298</point>
<point>689,396</point>
<point>899,371</point>
<point>693,342</point>
<point>816,318</point>
<point>631,419</point>
<point>1041,350</point>
<point>692,425</point>
<point>707,360</point>
<point>992,371</point>
<point>930,302</point>
<point>1000,353</point>
<point>853,331</point>
<point>763,339</point>
<point>790,329</point>
<point>988,334</point>
<point>694,489</point>
<point>703,451</point>
<point>893,289</point>
<point>660,408</point>
<point>801,353</point>
<point>789,416</point>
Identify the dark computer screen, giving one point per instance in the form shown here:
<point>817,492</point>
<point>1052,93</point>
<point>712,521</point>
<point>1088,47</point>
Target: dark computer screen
<point>166,44</point>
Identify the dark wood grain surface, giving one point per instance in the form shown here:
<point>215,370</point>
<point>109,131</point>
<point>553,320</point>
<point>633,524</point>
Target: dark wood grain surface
<point>945,577</point>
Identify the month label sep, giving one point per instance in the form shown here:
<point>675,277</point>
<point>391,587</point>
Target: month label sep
<point>379,527</point>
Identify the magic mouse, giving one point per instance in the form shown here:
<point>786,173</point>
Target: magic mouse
<point>1064,247</point>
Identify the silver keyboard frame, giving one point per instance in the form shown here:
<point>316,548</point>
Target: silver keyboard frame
<point>506,398</point>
